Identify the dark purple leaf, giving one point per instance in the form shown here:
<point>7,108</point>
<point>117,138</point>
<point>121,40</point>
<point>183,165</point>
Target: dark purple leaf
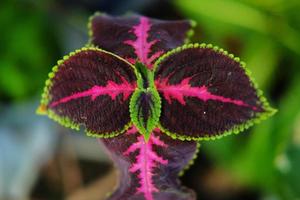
<point>206,93</point>
<point>137,37</point>
<point>92,88</point>
<point>149,170</point>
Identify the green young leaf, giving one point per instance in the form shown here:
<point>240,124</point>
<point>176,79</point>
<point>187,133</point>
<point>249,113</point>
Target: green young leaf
<point>145,106</point>
<point>145,103</point>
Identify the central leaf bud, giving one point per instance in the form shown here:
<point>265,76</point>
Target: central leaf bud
<point>145,103</point>
<point>145,77</point>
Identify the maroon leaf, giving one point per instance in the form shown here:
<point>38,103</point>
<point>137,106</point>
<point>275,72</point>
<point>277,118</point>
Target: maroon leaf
<point>137,37</point>
<point>206,93</point>
<point>149,170</point>
<point>92,88</point>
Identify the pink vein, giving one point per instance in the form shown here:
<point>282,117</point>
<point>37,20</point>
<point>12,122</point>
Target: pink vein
<point>146,160</point>
<point>141,45</point>
<point>184,89</point>
<point>112,89</point>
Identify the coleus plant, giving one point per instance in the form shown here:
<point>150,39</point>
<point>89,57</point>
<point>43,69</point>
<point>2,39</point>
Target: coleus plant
<point>151,97</point>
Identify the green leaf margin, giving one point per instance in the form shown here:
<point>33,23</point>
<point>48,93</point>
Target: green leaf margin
<point>154,118</point>
<point>192,161</point>
<point>269,111</point>
<point>188,36</point>
<point>64,120</point>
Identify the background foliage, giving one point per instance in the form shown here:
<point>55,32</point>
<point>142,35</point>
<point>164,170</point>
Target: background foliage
<point>262,163</point>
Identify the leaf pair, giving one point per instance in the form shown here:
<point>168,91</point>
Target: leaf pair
<point>190,92</point>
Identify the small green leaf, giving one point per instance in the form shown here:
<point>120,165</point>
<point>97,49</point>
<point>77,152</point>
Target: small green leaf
<point>145,107</point>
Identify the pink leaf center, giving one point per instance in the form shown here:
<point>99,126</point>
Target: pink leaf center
<point>184,89</point>
<point>112,89</point>
<point>141,45</point>
<point>146,160</point>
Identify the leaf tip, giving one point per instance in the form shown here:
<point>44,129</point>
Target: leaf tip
<point>271,111</point>
<point>41,110</point>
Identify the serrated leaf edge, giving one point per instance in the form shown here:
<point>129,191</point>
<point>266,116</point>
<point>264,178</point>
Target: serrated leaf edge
<point>191,162</point>
<point>157,110</point>
<point>269,111</point>
<point>66,121</point>
<point>190,33</point>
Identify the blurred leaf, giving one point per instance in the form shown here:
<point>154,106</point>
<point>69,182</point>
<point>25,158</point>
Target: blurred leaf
<point>289,179</point>
<point>254,161</point>
<point>12,81</point>
<point>243,15</point>
<point>27,49</point>
<point>289,110</point>
<point>261,56</point>
<point>227,11</point>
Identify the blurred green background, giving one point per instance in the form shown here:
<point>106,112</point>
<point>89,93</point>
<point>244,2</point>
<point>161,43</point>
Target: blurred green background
<point>262,163</point>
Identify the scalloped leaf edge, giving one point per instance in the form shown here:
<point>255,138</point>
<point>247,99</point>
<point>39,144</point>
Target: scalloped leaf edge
<point>269,111</point>
<point>89,26</point>
<point>66,121</point>
<point>189,34</point>
<point>192,161</point>
<point>153,121</point>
